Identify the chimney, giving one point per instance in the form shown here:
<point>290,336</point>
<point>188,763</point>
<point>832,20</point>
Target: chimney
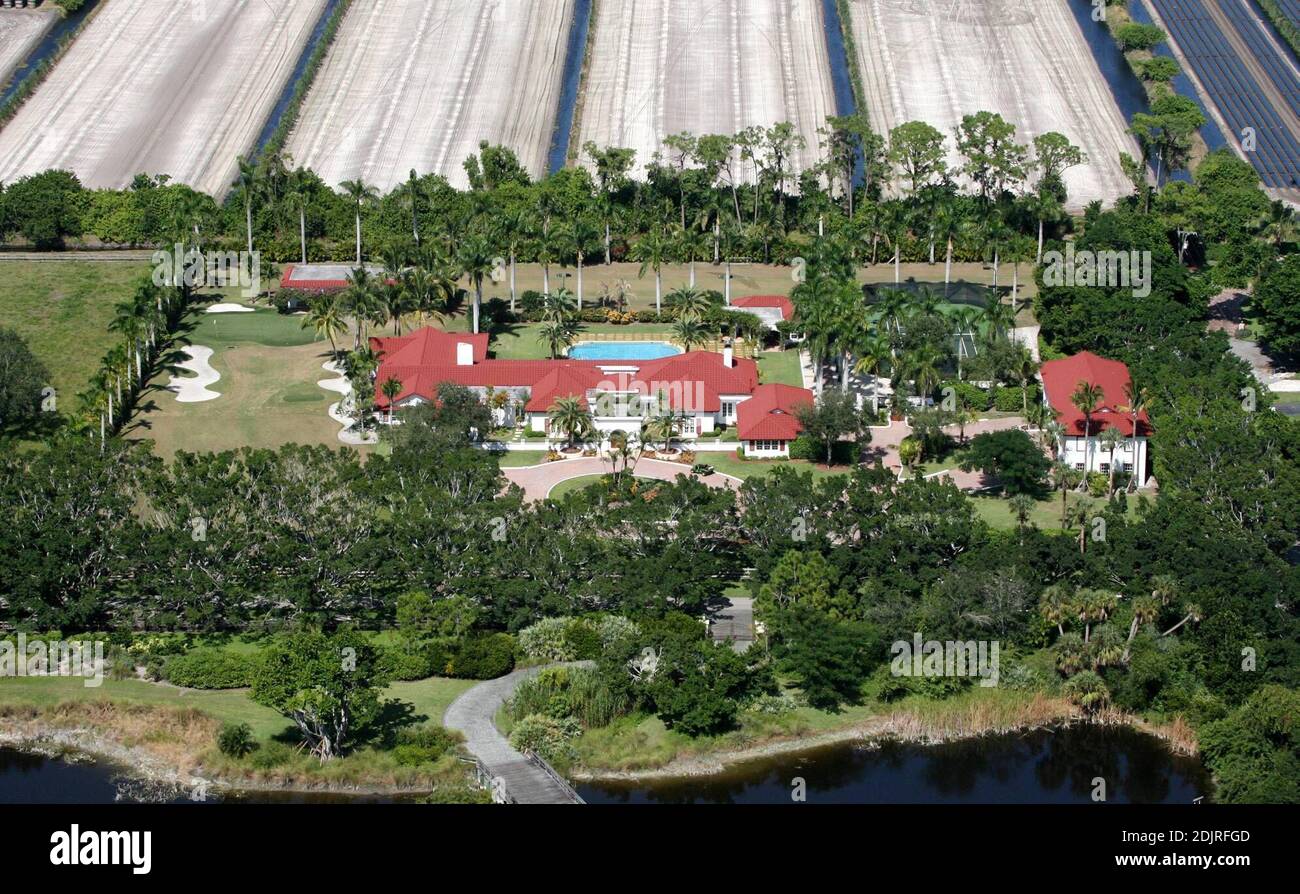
<point>728,354</point>
<point>464,353</point>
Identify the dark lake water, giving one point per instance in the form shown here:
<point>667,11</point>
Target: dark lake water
<point>27,778</point>
<point>1035,768</point>
<point>1041,767</point>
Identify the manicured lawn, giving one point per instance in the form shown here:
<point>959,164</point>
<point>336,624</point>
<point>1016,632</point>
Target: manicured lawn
<point>730,464</point>
<point>1046,514</point>
<point>513,459</point>
<point>261,327</point>
<point>63,309</point>
<point>780,367</point>
<point>269,367</point>
<point>428,698</point>
<point>574,485</point>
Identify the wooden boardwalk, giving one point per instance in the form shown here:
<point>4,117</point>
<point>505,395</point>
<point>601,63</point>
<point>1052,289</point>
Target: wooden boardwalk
<point>525,780</point>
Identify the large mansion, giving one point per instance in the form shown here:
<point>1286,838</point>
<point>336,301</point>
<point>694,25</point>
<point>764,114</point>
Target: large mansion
<point>704,390</point>
<point>1061,379</point>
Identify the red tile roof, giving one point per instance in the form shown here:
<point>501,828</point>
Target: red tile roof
<point>771,414</point>
<point>287,281</point>
<point>692,383</point>
<point>784,303</point>
<point>1062,377</point>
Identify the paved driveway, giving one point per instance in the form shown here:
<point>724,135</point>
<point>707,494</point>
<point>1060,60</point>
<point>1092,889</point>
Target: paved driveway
<point>538,481</point>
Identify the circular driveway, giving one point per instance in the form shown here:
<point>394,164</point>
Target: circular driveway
<point>538,481</point>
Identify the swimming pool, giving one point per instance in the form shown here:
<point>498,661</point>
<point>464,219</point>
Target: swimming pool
<point>623,350</point>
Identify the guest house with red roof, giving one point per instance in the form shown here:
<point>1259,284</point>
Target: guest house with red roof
<point>1079,443</point>
<point>705,390</point>
<point>771,309</point>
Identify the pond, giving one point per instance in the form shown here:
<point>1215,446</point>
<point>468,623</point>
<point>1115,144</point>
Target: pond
<point>28,778</point>
<point>1040,767</point>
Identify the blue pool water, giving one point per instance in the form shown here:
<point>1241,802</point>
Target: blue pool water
<point>623,350</point>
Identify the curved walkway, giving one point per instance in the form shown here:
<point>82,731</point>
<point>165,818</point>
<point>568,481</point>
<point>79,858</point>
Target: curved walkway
<point>474,712</point>
<point>538,481</point>
<point>340,385</point>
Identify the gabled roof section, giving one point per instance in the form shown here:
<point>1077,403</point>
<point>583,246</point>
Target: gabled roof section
<point>772,413</point>
<point>1062,377</point>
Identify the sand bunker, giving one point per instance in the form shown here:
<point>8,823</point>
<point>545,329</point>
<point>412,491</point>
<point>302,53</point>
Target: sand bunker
<point>195,389</point>
<point>341,385</point>
<point>229,309</point>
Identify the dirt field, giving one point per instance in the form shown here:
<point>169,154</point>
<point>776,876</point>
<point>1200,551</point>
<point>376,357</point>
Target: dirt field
<point>20,31</point>
<point>419,85</point>
<point>180,88</point>
<point>937,60</point>
<point>660,67</point>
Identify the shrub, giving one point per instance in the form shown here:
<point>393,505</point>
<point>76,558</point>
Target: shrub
<point>211,669</point>
<point>973,396</point>
<point>483,657</point>
<point>615,628</point>
<point>548,639</point>
<point>1011,400</point>
<point>423,745</point>
<point>235,739</point>
<point>1098,484</point>
<point>583,640</point>
<point>271,755</point>
<point>412,663</point>
<point>687,457</point>
<point>576,692</point>
<point>546,736</point>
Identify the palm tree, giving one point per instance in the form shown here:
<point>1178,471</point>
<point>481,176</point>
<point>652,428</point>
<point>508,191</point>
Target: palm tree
<point>1056,605</point>
<point>558,306</point>
<point>690,331</point>
<point>1022,506</point>
<point>360,299</point>
<point>1280,223</point>
<point>325,315</point>
<point>360,193</point>
<point>690,302</point>
<point>873,355</point>
<point>413,197</point>
<point>582,233</point>
<point>1194,615</point>
<point>391,387</point>
<point>1025,370</point>
<point>298,197</point>
<point>651,250</point>
<point>1086,396</point>
<point>1145,610</point>
<point>571,417</point>
<point>1079,514</point>
<point>427,294</point>
<point>947,226</point>
<point>559,335</point>
<point>664,426</point>
<point>248,180</point>
<point>1061,474</point>
<point>922,367</point>
<point>1138,399</point>
<point>1110,440</point>
<point>512,232</point>
<point>691,244</point>
<point>475,259</point>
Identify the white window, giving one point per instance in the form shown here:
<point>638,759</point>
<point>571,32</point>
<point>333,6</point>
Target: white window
<point>728,409</point>
<point>766,446</point>
<point>688,426</point>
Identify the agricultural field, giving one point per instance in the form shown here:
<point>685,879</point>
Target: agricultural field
<point>20,31</point>
<point>660,67</point>
<point>938,60</point>
<point>418,86</point>
<point>181,88</point>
